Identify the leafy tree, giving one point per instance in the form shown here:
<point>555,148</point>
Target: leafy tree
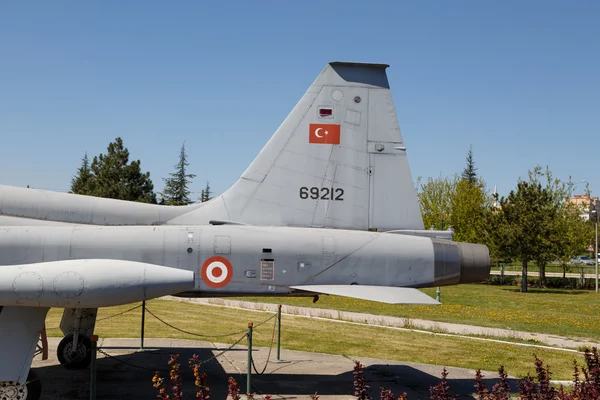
<point>205,195</point>
<point>176,192</point>
<point>526,226</point>
<point>469,173</point>
<point>455,202</point>
<point>469,205</point>
<point>435,200</point>
<point>111,175</point>
<point>80,183</point>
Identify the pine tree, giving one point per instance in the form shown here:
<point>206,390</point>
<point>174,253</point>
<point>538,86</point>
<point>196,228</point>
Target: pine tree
<point>176,192</point>
<point>206,192</point>
<point>82,183</point>
<point>113,176</point>
<point>469,174</point>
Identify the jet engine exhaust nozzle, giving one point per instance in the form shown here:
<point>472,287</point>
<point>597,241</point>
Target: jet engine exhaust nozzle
<point>474,262</point>
<point>457,262</point>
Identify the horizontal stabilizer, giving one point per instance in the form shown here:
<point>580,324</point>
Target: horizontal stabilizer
<point>383,294</point>
<point>447,235</point>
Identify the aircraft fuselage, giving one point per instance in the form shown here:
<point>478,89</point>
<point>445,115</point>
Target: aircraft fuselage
<point>248,259</point>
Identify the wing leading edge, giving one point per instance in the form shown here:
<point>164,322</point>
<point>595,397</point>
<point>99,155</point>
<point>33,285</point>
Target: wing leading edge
<point>384,294</point>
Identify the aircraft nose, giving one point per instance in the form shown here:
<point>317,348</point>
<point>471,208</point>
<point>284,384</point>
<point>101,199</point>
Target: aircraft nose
<point>474,262</point>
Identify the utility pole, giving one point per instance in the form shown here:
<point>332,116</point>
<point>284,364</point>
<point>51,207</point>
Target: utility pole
<point>594,214</point>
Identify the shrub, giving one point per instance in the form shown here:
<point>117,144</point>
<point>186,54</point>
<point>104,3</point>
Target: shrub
<point>529,388</point>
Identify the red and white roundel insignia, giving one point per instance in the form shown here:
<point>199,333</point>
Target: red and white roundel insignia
<point>217,272</point>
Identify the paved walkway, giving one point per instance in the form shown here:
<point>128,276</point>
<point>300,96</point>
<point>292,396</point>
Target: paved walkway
<point>548,274</point>
<point>412,324</point>
<point>330,376</point>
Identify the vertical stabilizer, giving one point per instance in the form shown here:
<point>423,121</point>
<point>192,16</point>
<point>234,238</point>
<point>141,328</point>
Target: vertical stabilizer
<point>337,161</point>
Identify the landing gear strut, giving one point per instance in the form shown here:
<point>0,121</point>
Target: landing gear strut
<point>75,353</point>
<point>75,349</point>
<point>31,390</point>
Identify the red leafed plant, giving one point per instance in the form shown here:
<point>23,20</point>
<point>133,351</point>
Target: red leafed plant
<point>234,389</point>
<point>529,388</point>
<point>441,391</point>
<point>361,389</point>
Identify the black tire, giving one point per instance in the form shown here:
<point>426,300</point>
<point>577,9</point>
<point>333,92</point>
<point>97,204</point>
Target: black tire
<point>31,390</point>
<point>34,386</point>
<point>83,356</point>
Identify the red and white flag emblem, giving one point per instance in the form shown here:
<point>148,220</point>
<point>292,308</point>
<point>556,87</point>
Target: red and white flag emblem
<point>324,133</point>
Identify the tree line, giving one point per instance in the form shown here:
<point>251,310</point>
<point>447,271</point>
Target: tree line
<point>534,223</point>
<point>113,175</point>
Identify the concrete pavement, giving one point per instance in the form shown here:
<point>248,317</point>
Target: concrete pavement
<point>330,376</point>
<point>548,274</point>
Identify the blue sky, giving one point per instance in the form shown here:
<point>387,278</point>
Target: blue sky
<point>519,81</point>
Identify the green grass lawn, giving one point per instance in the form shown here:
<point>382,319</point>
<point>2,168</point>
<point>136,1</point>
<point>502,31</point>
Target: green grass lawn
<point>327,337</point>
<point>572,313</point>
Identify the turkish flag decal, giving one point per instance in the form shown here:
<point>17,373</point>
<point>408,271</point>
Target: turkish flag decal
<point>324,134</point>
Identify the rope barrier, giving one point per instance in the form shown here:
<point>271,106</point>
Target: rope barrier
<point>192,333</point>
<point>131,364</point>
<point>199,334</point>
<point>121,313</point>
<point>109,317</point>
<point>265,321</point>
<point>270,349</point>
<point>213,357</point>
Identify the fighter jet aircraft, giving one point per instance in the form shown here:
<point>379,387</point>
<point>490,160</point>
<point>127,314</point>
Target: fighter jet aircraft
<point>327,207</point>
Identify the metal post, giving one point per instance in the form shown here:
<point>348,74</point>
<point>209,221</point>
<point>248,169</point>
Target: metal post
<point>249,376</point>
<point>438,292</point>
<point>596,251</point>
<point>279,360</point>
<point>94,340</point>
<point>143,325</point>
<point>278,332</point>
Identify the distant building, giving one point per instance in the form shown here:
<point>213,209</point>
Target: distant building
<point>583,201</point>
<point>496,205</point>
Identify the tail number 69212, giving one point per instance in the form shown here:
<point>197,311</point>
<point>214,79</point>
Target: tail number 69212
<point>322,193</point>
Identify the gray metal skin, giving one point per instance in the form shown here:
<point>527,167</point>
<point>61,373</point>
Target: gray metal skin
<point>369,164</point>
<point>329,256</point>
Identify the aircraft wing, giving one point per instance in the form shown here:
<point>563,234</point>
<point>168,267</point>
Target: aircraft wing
<point>384,294</point>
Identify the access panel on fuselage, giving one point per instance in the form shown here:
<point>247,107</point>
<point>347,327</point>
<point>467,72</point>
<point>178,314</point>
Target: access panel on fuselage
<point>182,248</point>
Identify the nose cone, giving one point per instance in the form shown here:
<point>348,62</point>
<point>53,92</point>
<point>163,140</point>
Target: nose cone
<point>474,262</point>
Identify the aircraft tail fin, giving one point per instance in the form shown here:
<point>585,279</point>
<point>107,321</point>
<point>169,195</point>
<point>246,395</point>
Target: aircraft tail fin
<point>337,161</point>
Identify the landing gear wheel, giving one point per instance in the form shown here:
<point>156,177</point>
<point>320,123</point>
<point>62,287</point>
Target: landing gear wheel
<point>32,390</point>
<point>79,358</point>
